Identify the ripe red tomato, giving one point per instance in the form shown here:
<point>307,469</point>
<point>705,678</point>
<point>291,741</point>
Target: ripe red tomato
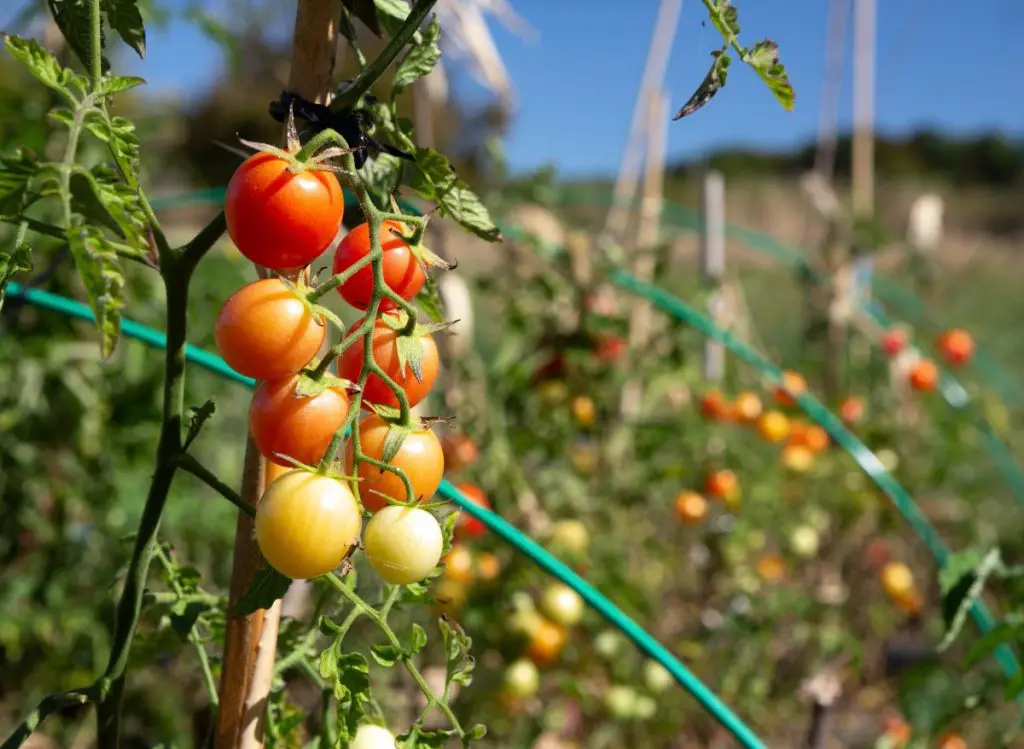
<point>924,376</point>
<point>893,341</point>
<point>610,348</point>
<point>715,407</point>
<point>385,353</point>
<point>300,428</point>
<point>402,271</point>
<point>420,457</point>
<point>266,332</point>
<point>280,219</point>
<point>690,507</point>
<point>305,524</point>
<point>851,411</point>
<point>724,485</point>
<point>957,346</point>
<point>470,527</point>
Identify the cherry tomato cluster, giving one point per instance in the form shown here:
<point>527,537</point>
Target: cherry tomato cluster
<point>955,345</point>
<point>282,213</point>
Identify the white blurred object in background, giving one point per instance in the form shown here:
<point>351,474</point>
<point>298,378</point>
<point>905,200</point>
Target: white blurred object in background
<point>458,305</point>
<point>925,229</point>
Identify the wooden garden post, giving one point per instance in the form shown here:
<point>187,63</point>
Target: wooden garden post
<point>251,640</point>
<point>712,266</point>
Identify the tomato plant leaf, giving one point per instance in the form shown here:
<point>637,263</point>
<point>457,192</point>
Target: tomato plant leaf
<point>419,60</point>
<point>763,57</point>
<point>351,687</point>
<point>101,196</point>
<point>393,441</point>
<point>429,299</point>
<point>958,597</point>
<point>307,387</point>
<point>457,646</point>
<point>397,9</point>
<point>195,418</point>
<point>100,272</point>
<point>365,11</point>
<point>184,615</point>
<point>73,19</point>
<point>380,174</point>
<point>710,86</point>
<point>433,179</point>
<point>387,655</point>
<point>17,261</point>
<point>419,639</point>
<point>266,587</point>
<point>44,66</point>
<point>124,18</point>
<point>119,134</point>
<point>17,172</point>
<point>410,354</point>
<point>119,84</point>
<point>725,17</point>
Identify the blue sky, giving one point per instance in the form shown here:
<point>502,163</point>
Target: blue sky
<point>953,66</point>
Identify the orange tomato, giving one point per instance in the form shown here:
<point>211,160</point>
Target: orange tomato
<point>724,485</point>
<point>715,407</point>
<point>771,567</point>
<point>265,331</point>
<point>747,406</point>
<point>691,508</point>
<point>924,377</point>
<point>811,436</point>
<point>957,346</point>
<point>791,385</point>
<point>470,527</point>
<point>898,731</point>
<point>385,353</point>
<point>488,567</point>
<point>773,426</point>
<point>420,457</point>
<point>458,565</point>
<point>301,428</point>
<point>952,741</point>
<point>897,580</point>
<point>797,458</point>
<point>583,410</point>
<point>546,642</point>
<point>851,411</point>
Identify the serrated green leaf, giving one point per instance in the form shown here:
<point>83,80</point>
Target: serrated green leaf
<point>184,615</point>
<point>351,690</point>
<point>100,271</point>
<point>18,261</point>
<point>119,134</point>
<point>397,9</point>
<point>960,597</point>
<point>266,587</point>
<point>419,639</point>
<point>124,18</point>
<point>44,66</point>
<point>387,655</point>
<point>73,19</point>
<point>448,530</point>
<point>381,174</point>
<point>710,86</point>
<point>429,299</point>
<point>119,84</point>
<point>187,578</point>
<point>62,115</point>
<point>432,178</point>
<point>457,643</point>
<point>420,59</point>
<point>410,354</point>
<point>101,196</point>
<point>725,17</point>
<point>763,57</point>
<point>957,565</point>
<point>477,732</point>
<point>327,664</point>
<point>16,174</point>
<point>393,441</point>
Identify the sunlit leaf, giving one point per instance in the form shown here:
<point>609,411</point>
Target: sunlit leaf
<point>100,271</point>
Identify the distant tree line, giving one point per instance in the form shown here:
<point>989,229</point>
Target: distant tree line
<point>985,159</point>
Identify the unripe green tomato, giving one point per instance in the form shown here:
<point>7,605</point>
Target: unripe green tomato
<point>888,458</point>
<point>569,536</point>
<point>645,707</point>
<point>817,518</point>
<point>562,604</point>
<point>370,736</point>
<point>656,677</point>
<point>403,543</point>
<point>521,679</point>
<point>607,644</point>
<point>804,541</point>
<point>620,701</point>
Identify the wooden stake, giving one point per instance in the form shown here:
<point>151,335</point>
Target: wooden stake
<point>712,265</point>
<point>863,109</point>
<point>647,237</point>
<point>251,641</point>
<point>632,154</point>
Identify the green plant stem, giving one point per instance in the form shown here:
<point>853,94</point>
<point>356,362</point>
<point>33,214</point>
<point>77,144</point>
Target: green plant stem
<point>50,704</point>
<point>380,620</point>
<point>96,42</point>
<point>339,279</point>
<point>350,97</point>
<point>188,463</point>
<point>210,234</point>
<point>129,605</point>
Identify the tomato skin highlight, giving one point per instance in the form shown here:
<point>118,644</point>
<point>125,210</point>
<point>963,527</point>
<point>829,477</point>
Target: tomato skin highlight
<point>690,508</point>
<point>278,219</point>
<point>467,526</point>
<point>301,428</point>
<point>402,271</point>
<point>403,544</point>
<point>420,457</point>
<point>265,332</point>
<point>305,524</point>
<point>385,353</point>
